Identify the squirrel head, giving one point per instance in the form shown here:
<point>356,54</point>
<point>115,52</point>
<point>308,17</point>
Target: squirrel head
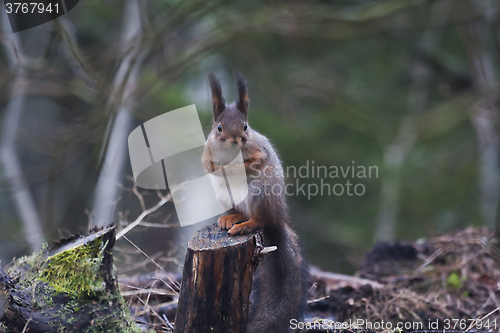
<point>230,123</point>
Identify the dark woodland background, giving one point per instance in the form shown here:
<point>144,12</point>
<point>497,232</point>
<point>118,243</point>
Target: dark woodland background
<point>410,87</point>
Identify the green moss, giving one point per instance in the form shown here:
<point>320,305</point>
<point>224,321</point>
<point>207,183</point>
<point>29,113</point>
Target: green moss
<point>74,275</point>
<point>26,269</point>
<point>75,271</point>
<point>454,281</point>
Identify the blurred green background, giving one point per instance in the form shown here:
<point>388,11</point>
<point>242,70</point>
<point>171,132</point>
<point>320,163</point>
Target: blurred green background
<point>409,87</point>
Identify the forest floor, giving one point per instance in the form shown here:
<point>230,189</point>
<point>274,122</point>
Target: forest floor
<point>445,283</point>
<point>449,282</point>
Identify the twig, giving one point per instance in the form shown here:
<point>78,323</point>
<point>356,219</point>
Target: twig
<point>481,319</point>
<point>318,299</point>
<point>68,36</point>
<point>153,311</point>
<point>158,225</point>
<point>139,196</point>
<point>146,291</point>
<point>430,259</point>
<point>141,216</point>
<point>26,325</point>
<point>174,283</point>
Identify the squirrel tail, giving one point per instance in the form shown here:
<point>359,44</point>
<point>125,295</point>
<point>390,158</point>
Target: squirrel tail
<point>280,283</point>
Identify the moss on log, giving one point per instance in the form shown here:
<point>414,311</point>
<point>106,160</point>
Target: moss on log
<point>69,287</point>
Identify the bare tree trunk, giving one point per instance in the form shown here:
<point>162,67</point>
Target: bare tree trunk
<point>394,156</point>
<point>22,196</point>
<point>114,149</point>
<point>485,117</point>
<point>396,153</point>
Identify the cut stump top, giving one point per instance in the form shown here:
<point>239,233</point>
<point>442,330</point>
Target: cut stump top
<point>211,238</point>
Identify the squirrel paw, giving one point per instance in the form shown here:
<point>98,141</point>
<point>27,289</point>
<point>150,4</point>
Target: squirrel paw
<point>244,227</point>
<point>226,222</point>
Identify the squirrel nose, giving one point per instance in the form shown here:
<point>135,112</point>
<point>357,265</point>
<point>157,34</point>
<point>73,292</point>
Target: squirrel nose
<point>231,139</point>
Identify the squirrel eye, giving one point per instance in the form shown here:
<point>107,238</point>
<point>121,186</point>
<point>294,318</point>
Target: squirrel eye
<point>245,127</point>
<point>219,128</point>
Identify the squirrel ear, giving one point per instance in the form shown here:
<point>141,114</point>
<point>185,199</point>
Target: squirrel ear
<point>242,103</point>
<point>218,103</point>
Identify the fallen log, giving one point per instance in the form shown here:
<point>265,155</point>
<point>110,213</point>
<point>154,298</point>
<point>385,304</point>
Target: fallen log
<point>217,281</point>
<point>69,287</point>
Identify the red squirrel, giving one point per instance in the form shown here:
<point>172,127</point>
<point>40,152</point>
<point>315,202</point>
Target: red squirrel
<point>280,281</point>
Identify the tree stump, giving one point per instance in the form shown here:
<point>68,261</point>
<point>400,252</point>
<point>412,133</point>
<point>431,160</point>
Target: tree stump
<point>217,281</point>
<point>69,287</point>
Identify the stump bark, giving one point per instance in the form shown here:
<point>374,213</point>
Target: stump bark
<point>217,281</point>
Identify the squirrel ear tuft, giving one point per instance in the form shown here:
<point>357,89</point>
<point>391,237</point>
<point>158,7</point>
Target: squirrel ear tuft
<point>242,103</point>
<point>218,103</point>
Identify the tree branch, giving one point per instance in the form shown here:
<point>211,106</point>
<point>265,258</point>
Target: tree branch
<point>23,199</point>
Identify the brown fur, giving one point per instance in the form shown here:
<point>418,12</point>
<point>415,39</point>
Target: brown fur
<point>280,282</point>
